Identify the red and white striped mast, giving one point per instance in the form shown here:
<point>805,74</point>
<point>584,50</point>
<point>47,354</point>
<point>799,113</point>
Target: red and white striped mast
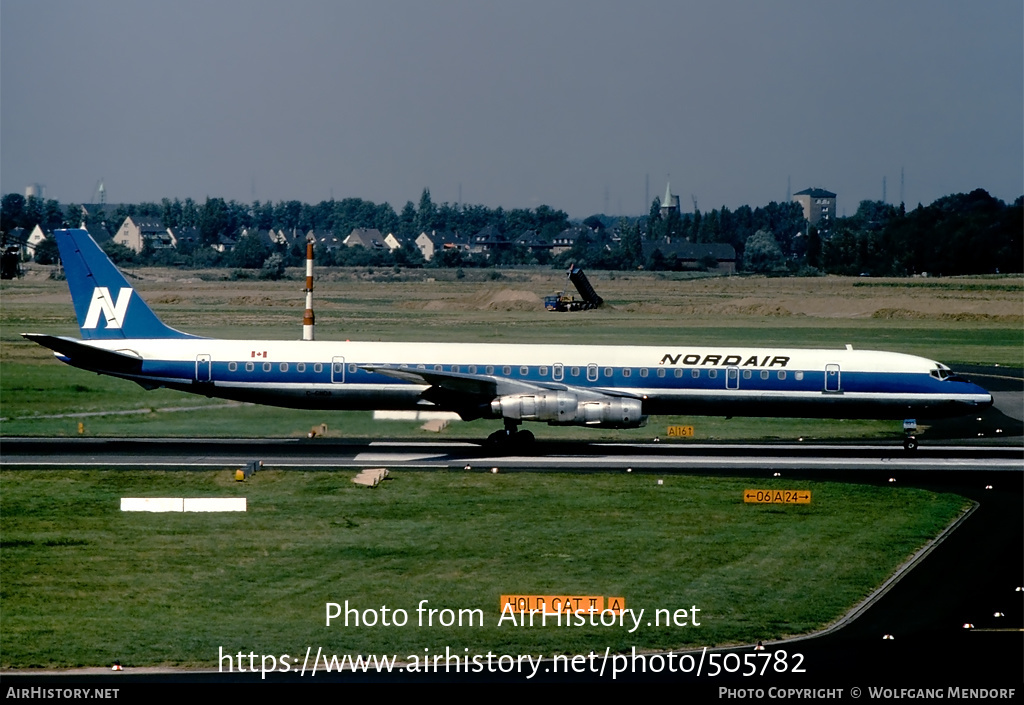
<point>308,320</point>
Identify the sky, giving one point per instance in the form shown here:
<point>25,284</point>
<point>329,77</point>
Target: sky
<point>588,106</point>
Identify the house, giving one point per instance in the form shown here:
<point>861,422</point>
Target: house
<point>488,239</point>
<point>565,240</point>
<point>533,242</point>
<point>323,240</point>
<point>224,243</point>
<point>692,255</point>
<point>393,242</point>
<point>185,237</point>
<point>370,238</point>
<point>34,238</point>
<point>429,244</point>
<point>136,232</point>
<point>271,239</point>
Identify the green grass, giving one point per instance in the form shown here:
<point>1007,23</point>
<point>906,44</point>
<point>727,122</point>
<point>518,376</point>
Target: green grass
<point>84,584</point>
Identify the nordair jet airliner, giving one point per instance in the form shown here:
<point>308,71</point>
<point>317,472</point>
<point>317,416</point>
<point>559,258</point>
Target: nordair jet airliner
<point>563,385</point>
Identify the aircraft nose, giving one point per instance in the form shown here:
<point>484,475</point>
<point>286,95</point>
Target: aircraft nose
<point>982,396</point>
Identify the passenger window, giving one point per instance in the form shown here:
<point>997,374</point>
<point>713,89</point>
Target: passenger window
<point>661,371</point>
<point>249,367</point>
<point>232,366</point>
<point>506,370</point>
<point>542,371</point>
<point>695,373</point>
<point>267,366</point>
<point>524,370</point>
<point>643,371</point>
<point>301,367</point>
<point>679,373</point>
<point>746,374</point>
<point>490,369</point>
<point>764,374</point>
<point>782,374</point>
<point>471,369</point>
<point>608,372</point>
<point>713,374</point>
<point>318,367</point>
<point>799,376</point>
<point>352,368</point>
<point>283,367</point>
<point>574,371</point>
<point>626,372</point>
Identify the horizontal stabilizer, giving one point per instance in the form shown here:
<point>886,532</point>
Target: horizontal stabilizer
<point>81,354</point>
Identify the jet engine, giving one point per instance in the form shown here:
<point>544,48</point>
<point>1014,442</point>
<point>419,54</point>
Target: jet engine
<point>567,409</point>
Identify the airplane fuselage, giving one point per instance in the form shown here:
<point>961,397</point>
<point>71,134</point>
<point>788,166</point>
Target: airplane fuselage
<point>666,379</point>
<point>584,385</point>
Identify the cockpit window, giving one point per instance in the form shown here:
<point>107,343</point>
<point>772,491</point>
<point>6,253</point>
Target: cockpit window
<point>940,374</point>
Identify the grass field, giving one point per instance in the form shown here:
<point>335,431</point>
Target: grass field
<point>84,584</point>
<point>957,321</point>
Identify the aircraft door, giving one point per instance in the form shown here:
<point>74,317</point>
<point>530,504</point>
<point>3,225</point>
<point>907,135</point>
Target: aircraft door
<point>338,370</point>
<point>832,378</point>
<point>732,377</point>
<point>203,365</point>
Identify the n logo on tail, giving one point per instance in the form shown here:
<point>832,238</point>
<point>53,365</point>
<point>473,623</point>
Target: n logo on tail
<point>113,311</point>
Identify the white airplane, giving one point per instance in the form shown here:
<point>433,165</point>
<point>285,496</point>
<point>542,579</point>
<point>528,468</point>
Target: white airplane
<point>566,385</point>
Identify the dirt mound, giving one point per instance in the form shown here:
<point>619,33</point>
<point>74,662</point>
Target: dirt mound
<point>754,309</point>
<point>511,300</point>
<point>435,305</point>
<point>653,308</point>
<point>908,314</point>
<point>253,301</point>
<point>500,300</point>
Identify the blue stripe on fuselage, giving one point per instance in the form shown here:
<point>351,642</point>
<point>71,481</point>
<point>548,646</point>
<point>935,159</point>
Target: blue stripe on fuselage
<point>621,378</point>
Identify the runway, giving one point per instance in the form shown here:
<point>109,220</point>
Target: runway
<point>831,460</point>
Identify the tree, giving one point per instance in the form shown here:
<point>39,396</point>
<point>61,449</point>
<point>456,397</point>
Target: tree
<point>426,212</point>
<point>813,254</point>
<point>46,251</point>
<point>273,267</point>
<point>249,253</point>
<point>11,210</point>
<point>213,221</point>
<point>118,253</point>
<point>763,254</point>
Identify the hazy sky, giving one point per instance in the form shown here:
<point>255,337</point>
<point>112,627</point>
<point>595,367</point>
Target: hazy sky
<point>522,103</point>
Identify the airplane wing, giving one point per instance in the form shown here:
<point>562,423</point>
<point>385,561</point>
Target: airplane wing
<point>488,386</point>
<point>467,393</point>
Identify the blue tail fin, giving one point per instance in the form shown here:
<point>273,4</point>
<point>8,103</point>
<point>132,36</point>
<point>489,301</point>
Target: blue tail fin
<point>106,304</point>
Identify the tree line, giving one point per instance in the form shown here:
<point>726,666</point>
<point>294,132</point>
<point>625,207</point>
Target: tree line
<point>972,233</point>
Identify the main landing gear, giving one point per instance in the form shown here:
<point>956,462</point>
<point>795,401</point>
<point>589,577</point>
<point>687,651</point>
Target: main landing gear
<point>510,436</point>
<point>910,439</point>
